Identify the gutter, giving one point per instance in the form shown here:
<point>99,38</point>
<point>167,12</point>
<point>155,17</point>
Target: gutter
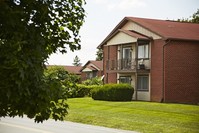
<point>181,39</point>
<point>163,70</point>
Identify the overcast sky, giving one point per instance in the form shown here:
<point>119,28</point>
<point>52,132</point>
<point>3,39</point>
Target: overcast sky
<point>104,15</point>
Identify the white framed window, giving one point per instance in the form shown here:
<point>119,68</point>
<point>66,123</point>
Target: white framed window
<point>125,79</point>
<point>143,83</point>
<point>143,51</point>
<point>126,53</point>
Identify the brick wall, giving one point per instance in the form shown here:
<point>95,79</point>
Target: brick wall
<point>156,70</point>
<point>105,57</point>
<point>99,73</point>
<point>83,76</point>
<point>182,72</point>
<point>109,53</point>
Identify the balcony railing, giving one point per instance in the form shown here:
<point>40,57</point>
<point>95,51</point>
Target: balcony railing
<point>121,64</point>
<point>127,64</point>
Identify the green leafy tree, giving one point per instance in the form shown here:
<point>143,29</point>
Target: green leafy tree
<point>193,19</point>
<point>31,30</point>
<point>99,55</point>
<point>76,61</point>
<point>60,79</point>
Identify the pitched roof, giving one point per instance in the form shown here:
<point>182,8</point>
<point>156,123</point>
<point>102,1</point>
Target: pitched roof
<point>169,29</point>
<point>70,69</point>
<point>164,28</point>
<point>73,69</point>
<point>98,64</point>
<point>93,65</point>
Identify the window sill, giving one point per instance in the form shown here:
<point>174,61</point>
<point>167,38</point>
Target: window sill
<point>143,90</point>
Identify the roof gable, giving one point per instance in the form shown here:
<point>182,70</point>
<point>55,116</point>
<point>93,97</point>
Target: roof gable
<point>125,36</point>
<point>133,26</point>
<point>169,29</point>
<point>93,65</point>
<point>157,29</point>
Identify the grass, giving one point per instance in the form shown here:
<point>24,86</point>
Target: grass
<point>146,117</point>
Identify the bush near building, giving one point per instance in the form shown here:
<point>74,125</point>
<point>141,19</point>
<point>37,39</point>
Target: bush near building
<point>81,90</point>
<point>113,92</point>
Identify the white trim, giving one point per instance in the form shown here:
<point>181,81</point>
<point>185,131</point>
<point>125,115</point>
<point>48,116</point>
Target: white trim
<point>121,38</point>
<point>86,70</point>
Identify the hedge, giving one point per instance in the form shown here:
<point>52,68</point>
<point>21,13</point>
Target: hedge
<point>80,91</point>
<point>113,92</point>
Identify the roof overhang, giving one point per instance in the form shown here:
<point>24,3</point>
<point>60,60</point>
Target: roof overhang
<point>120,25</point>
<point>125,37</point>
<point>87,70</point>
<point>124,21</point>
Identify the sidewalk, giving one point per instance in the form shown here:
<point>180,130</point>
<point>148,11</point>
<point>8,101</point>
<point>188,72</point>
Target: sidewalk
<point>24,125</point>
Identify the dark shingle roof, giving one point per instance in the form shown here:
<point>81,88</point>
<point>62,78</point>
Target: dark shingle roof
<point>73,69</point>
<point>164,28</point>
<point>169,29</point>
<point>70,69</point>
<point>93,65</point>
<point>98,64</point>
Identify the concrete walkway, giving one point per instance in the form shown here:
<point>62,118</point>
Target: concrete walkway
<point>25,125</point>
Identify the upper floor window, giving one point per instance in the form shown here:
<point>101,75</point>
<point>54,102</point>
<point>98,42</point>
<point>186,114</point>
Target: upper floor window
<point>126,53</point>
<point>143,51</point>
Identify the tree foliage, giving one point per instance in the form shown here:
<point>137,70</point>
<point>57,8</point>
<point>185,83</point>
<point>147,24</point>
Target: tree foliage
<point>65,80</point>
<point>193,19</point>
<point>31,30</point>
<point>76,61</point>
<point>99,54</point>
<point>93,81</point>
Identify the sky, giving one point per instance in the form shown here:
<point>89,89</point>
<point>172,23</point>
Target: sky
<point>103,15</point>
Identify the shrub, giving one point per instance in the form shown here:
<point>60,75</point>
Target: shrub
<point>93,81</point>
<point>113,92</point>
<point>80,91</point>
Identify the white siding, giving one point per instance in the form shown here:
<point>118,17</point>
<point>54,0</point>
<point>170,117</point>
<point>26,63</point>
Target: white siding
<point>86,70</point>
<point>121,38</point>
<point>138,28</point>
<point>145,95</point>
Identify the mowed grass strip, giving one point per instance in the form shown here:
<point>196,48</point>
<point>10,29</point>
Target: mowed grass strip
<point>146,117</point>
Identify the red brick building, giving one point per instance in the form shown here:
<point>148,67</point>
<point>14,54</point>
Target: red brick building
<point>159,58</point>
<point>92,69</point>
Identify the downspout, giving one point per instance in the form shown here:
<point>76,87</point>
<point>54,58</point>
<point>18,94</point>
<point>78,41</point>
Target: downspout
<point>163,70</point>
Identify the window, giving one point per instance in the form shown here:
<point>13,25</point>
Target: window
<point>127,54</point>
<point>143,51</point>
<point>126,58</point>
<point>125,79</point>
<point>92,74</point>
<point>89,75</point>
<point>143,83</point>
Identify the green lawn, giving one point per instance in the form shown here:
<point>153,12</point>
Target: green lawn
<point>147,117</point>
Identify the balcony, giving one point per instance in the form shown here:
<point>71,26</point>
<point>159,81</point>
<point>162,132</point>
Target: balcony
<point>127,65</point>
<point>121,65</point>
